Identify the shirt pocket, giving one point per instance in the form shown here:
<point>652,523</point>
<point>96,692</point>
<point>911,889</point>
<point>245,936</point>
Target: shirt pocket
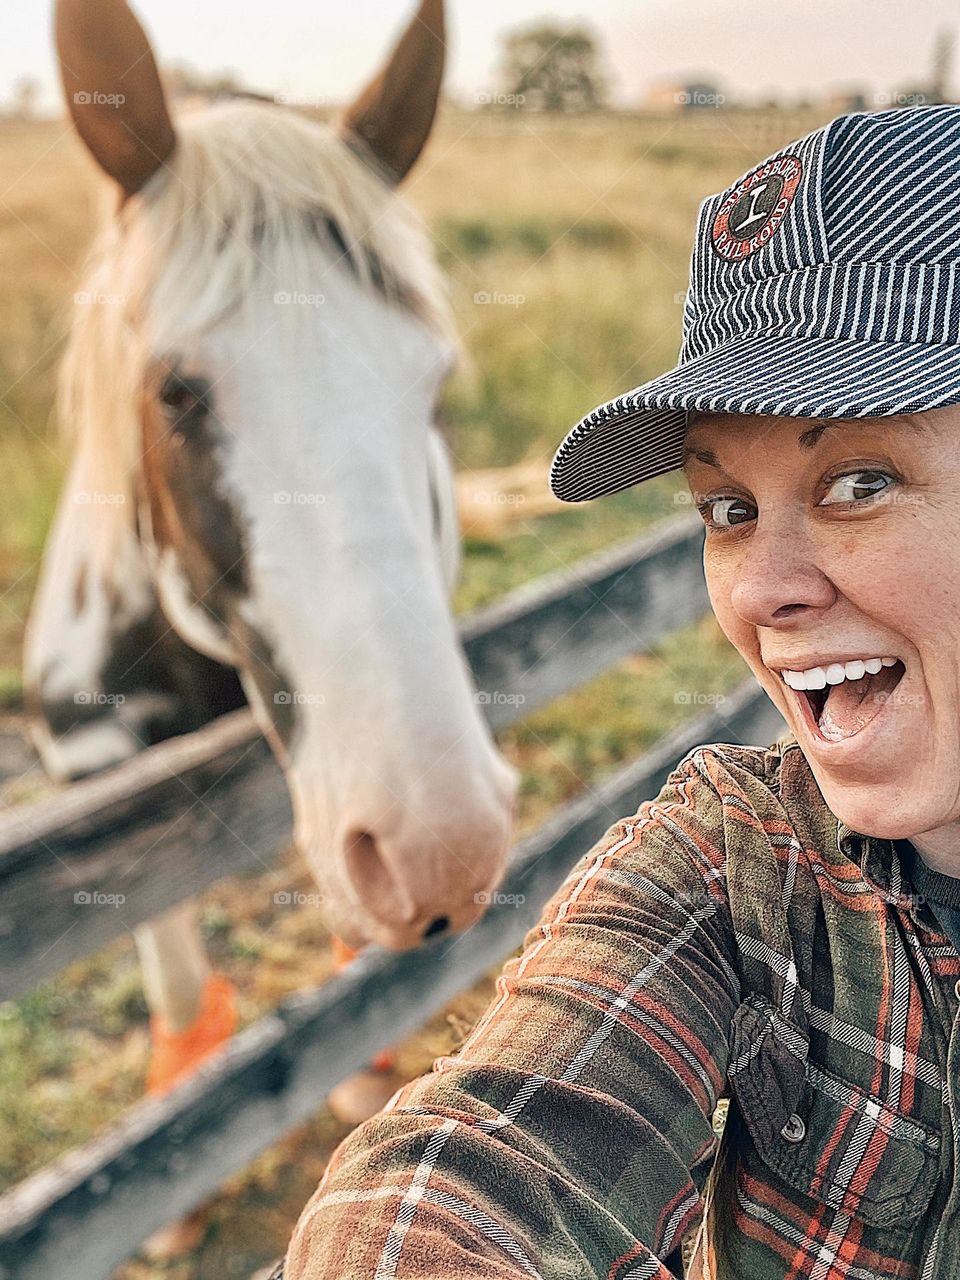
<point>824,1135</point>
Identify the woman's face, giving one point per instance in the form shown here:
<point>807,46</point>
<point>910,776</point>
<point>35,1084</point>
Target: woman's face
<point>832,542</point>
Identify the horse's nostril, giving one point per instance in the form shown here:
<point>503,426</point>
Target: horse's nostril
<point>436,926</point>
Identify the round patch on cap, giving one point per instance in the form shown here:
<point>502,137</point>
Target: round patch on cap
<point>753,210</point>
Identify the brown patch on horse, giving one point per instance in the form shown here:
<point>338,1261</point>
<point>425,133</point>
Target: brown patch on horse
<point>181,476</point>
<point>151,681</point>
<point>191,516</point>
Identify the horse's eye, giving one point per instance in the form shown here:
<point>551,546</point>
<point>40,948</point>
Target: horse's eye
<point>180,395</point>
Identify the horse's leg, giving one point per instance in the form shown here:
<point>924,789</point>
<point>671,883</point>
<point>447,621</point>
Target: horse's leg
<point>105,676</point>
<point>192,1015</point>
<point>192,1008</point>
<point>174,963</point>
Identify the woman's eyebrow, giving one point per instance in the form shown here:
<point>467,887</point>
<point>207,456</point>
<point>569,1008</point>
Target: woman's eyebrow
<point>807,439</point>
<point>702,455</point>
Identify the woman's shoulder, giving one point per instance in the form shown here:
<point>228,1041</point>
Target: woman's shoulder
<point>777,768</point>
<point>767,791</point>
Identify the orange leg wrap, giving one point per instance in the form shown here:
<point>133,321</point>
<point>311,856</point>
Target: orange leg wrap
<point>176,1054</point>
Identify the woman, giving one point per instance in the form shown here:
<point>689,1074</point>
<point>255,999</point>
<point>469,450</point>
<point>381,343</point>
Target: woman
<point>779,924</point>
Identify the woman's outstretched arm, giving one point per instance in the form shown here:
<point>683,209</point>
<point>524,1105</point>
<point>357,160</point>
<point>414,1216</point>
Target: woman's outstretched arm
<point>571,1136</point>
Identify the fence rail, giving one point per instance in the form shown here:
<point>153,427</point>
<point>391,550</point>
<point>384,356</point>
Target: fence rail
<point>194,809</point>
<point>87,1212</point>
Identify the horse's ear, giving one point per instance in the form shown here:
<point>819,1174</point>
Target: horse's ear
<point>395,112</point>
<point>113,89</point>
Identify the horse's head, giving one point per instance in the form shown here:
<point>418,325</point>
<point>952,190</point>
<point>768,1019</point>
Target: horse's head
<point>258,363</point>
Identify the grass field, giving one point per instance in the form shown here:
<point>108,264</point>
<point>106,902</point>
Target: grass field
<point>585,225</point>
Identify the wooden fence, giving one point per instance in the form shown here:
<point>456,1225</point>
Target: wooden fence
<point>194,809</point>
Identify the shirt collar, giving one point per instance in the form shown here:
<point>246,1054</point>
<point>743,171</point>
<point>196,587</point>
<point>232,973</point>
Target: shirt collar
<point>879,862</point>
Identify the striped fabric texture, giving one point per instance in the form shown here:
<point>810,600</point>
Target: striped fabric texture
<point>823,283</point>
<point>729,939</point>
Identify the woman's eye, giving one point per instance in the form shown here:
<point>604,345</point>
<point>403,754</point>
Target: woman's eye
<point>724,513</point>
<point>855,486</point>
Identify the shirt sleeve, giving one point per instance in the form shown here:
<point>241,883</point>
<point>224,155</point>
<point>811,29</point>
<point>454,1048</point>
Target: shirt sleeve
<point>571,1136</point>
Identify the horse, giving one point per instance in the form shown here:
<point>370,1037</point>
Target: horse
<point>260,505</point>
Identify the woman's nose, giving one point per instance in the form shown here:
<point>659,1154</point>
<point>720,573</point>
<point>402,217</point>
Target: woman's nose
<point>777,577</point>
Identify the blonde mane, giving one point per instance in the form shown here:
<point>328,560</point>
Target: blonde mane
<point>249,184</point>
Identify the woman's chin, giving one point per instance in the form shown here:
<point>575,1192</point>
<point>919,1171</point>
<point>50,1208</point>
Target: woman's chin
<point>869,812</point>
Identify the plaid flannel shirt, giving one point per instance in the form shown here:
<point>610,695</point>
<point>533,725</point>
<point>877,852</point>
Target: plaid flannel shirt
<point>731,938</point>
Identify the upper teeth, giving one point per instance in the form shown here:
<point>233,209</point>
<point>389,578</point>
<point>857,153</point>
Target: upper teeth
<point>835,673</point>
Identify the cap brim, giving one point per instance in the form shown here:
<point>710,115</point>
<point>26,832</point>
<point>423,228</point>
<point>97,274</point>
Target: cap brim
<point>640,435</point>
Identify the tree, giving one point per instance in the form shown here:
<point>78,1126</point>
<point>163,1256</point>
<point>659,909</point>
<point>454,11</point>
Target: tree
<point>553,68</point>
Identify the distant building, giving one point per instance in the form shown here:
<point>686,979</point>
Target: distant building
<point>842,101</point>
<point>26,94</point>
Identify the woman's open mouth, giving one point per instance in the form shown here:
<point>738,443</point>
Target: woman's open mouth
<point>850,697</point>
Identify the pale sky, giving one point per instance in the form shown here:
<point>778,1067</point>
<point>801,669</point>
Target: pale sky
<point>789,47</point>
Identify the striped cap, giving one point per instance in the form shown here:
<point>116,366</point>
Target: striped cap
<point>823,284</point>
